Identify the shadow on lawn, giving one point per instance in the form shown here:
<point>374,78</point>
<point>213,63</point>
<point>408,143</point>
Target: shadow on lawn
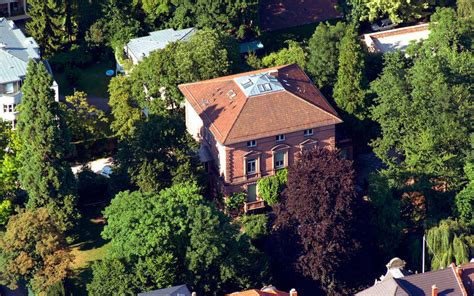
<point>76,285</point>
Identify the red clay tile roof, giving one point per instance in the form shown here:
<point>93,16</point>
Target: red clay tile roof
<point>236,116</point>
<point>467,277</point>
<point>256,292</point>
<point>281,14</point>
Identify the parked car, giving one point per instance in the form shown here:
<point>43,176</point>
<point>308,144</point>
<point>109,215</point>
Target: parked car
<point>382,25</point>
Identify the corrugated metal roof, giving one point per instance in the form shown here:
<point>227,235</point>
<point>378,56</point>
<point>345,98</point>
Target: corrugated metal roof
<point>15,51</point>
<point>143,46</point>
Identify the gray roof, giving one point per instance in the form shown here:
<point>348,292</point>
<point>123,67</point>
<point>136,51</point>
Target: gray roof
<point>172,291</point>
<point>141,47</point>
<point>15,51</point>
<point>418,284</point>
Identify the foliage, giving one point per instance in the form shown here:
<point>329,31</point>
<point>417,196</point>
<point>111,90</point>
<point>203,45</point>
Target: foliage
<point>235,201</point>
<point>34,248</point>
<point>270,187</point>
<point>203,56</point>
<point>465,8</point>
<point>386,217</point>
<point>6,210</point>
<point>159,154</point>
<point>450,241</point>
<point>115,28</point>
<point>465,198</point>
<point>397,10</point>
<point>235,16</point>
<point>84,120</point>
<point>421,137</point>
<point>9,148</point>
<point>255,226</point>
<point>47,25</point>
<point>126,110</point>
<point>71,59</point>
<point>44,136</point>
<point>294,54</point>
<point>349,91</point>
<point>175,236</point>
<point>324,184</point>
<point>323,54</point>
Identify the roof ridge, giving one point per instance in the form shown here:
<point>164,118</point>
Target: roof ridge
<point>236,118</point>
<point>458,279</point>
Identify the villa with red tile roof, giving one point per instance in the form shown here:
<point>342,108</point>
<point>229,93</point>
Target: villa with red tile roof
<point>252,124</point>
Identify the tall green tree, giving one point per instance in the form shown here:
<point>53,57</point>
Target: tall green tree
<point>323,53</point>
<point>172,237</point>
<point>45,142</point>
<point>34,248</point>
<point>349,92</point>
<point>325,241</point>
<point>465,198</point>
<point>47,24</point>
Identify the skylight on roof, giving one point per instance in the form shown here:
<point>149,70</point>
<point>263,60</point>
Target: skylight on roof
<point>247,84</point>
<point>259,83</point>
<point>264,87</point>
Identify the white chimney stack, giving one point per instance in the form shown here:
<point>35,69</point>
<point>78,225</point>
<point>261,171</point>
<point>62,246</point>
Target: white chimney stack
<point>293,292</point>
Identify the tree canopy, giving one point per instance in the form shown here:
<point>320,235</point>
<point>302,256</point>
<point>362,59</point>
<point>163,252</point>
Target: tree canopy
<point>324,183</point>
<point>323,53</point>
<point>45,143</point>
<point>34,248</point>
<point>171,237</point>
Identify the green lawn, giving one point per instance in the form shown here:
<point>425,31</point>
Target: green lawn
<point>89,247</point>
<point>91,79</point>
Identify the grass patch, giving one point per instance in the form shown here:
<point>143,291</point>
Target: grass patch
<point>90,79</point>
<point>88,248</point>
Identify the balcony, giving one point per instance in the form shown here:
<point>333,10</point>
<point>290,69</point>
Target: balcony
<point>254,205</point>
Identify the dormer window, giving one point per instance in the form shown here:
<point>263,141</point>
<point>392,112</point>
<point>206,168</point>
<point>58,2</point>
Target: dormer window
<point>308,132</point>
<point>251,143</point>
<point>280,138</point>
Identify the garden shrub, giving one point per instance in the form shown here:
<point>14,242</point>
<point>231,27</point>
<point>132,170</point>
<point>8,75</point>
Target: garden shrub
<point>255,226</point>
<point>270,188</point>
<point>235,201</point>
<point>6,209</point>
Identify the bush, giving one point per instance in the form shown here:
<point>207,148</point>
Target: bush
<point>255,226</point>
<point>235,201</point>
<point>270,188</point>
<point>6,209</point>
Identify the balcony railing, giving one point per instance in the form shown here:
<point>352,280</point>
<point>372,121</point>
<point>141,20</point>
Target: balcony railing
<point>254,205</point>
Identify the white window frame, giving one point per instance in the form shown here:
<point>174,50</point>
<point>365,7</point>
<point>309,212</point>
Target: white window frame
<point>12,88</point>
<point>280,138</point>
<point>249,161</point>
<point>252,143</point>
<point>283,162</point>
<point>308,132</point>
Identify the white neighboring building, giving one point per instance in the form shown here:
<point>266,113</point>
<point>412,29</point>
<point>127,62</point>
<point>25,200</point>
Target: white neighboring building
<point>15,51</point>
<point>139,48</point>
<point>396,39</point>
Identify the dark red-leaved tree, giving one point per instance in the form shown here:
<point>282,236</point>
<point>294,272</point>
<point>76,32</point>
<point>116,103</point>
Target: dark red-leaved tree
<point>317,207</point>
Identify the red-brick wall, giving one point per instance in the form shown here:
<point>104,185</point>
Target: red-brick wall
<point>236,180</point>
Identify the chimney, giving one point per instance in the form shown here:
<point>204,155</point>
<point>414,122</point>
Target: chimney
<point>293,292</point>
<point>434,290</point>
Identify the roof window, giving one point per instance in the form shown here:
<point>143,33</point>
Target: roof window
<point>264,87</point>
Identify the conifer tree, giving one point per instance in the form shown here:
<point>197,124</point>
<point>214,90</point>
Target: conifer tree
<point>47,24</point>
<point>44,136</point>
<point>348,90</point>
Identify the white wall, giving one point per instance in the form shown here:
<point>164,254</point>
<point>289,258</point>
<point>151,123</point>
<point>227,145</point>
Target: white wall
<point>221,159</point>
<point>194,123</point>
